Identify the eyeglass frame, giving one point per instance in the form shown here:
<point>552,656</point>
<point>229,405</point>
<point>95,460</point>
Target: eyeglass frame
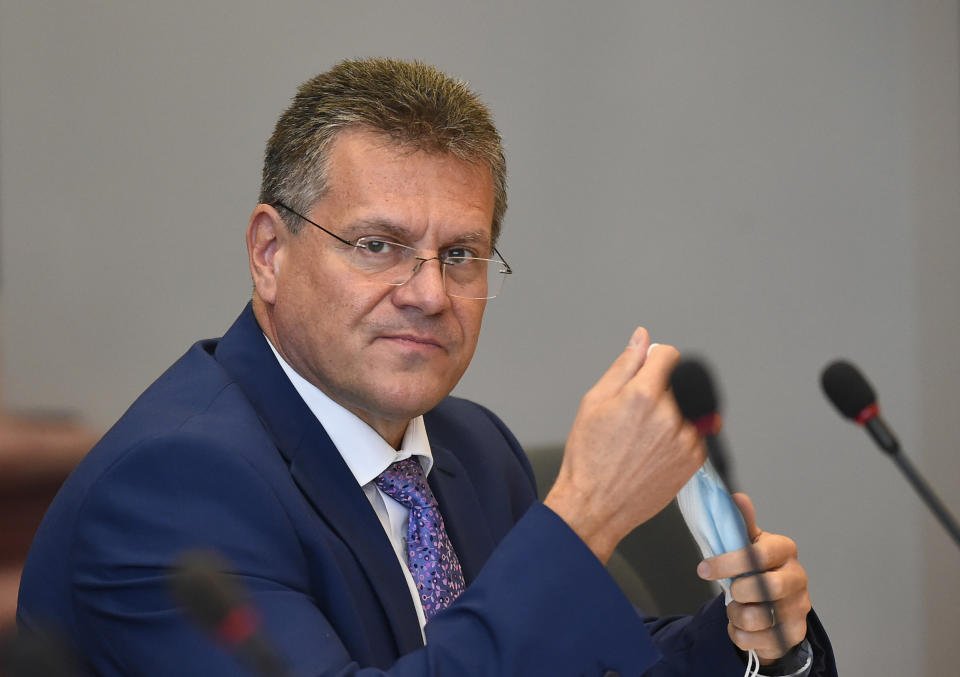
<point>420,259</point>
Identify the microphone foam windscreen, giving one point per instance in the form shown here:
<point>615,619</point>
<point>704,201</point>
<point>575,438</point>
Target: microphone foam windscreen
<point>846,387</point>
<point>693,389</point>
<point>34,654</point>
<point>204,589</point>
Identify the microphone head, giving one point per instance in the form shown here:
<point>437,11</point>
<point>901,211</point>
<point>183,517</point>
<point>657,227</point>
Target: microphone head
<point>33,653</point>
<point>200,583</point>
<point>847,388</point>
<point>693,390</point>
<point>221,605</point>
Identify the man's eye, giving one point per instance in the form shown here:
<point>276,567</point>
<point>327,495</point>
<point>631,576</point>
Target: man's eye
<point>458,255</point>
<point>378,246</point>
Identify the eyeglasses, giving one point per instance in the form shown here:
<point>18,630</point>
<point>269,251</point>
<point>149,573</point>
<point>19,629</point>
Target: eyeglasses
<point>464,275</point>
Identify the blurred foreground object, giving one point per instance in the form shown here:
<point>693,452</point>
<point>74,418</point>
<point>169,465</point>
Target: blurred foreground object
<point>35,655</point>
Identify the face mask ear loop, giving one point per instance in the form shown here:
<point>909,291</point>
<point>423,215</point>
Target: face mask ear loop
<point>753,664</point>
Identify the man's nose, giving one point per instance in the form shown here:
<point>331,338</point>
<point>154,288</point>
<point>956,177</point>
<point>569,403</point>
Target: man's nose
<point>425,289</point>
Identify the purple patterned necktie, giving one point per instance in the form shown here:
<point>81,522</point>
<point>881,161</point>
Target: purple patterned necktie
<point>431,559</point>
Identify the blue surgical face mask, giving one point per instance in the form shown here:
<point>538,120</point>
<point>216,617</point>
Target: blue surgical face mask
<point>717,527</point>
<point>712,516</point>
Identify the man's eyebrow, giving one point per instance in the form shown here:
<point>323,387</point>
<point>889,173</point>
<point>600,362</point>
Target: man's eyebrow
<point>474,236</point>
<point>380,226</point>
<point>402,233</point>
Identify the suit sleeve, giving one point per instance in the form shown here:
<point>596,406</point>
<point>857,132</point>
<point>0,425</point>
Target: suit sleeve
<point>688,645</point>
<point>541,605</point>
<point>525,614</point>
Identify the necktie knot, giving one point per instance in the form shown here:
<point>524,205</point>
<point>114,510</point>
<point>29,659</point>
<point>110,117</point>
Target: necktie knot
<point>405,483</point>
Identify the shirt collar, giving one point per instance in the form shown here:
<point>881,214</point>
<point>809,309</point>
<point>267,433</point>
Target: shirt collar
<point>364,451</point>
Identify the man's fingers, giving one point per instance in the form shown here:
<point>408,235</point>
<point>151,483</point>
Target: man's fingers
<point>771,550</point>
<point>749,515</point>
<point>624,367</point>
<point>751,617</point>
<point>640,339</point>
<point>780,584</point>
<point>659,365</point>
<point>657,362</point>
<point>755,617</point>
<point>782,601</point>
<point>765,642</point>
<point>751,625</point>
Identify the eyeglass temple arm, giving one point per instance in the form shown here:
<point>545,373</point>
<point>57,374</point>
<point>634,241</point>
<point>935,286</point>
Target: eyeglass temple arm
<point>314,223</point>
<point>509,270</point>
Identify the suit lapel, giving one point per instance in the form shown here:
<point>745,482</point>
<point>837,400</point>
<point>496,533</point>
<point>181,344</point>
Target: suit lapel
<point>319,470</point>
<point>462,512</point>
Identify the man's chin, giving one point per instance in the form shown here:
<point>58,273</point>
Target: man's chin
<point>407,400</point>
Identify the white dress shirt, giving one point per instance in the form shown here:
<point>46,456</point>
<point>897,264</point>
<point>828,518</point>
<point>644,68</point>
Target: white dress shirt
<point>367,455</point>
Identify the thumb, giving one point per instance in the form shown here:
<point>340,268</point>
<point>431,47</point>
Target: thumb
<point>624,367</point>
<point>749,515</point>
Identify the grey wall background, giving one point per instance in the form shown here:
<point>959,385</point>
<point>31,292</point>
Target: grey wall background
<point>769,183</point>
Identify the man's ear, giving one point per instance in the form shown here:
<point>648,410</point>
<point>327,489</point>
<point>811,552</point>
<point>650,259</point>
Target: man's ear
<point>266,236</point>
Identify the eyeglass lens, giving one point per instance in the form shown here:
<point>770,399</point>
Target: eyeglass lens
<point>395,264</point>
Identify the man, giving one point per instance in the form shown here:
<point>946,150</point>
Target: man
<point>297,444</point>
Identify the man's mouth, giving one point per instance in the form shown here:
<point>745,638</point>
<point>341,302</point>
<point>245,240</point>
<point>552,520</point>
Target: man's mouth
<point>421,341</point>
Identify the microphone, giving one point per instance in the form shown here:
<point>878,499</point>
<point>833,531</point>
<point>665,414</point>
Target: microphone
<point>697,399</point>
<point>850,393</point>
<point>36,654</point>
<point>854,397</point>
<point>219,606</point>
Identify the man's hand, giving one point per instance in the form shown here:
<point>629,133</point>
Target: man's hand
<point>629,450</point>
<point>751,622</point>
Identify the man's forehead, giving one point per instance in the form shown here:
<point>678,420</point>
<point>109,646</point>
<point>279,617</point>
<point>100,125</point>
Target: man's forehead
<point>359,144</point>
<point>368,169</point>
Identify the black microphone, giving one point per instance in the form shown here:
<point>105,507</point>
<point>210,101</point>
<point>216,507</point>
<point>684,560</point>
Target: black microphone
<point>697,399</point>
<point>854,397</point>
<point>36,654</point>
<point>218,604</point>
<point>850,393</point>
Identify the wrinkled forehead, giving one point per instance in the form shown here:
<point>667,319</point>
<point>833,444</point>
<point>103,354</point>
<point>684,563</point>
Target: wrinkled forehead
<point>404,146</point>
<point>368,166</point>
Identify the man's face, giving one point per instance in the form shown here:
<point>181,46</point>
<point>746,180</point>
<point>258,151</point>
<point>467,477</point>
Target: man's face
<point>386,353</point>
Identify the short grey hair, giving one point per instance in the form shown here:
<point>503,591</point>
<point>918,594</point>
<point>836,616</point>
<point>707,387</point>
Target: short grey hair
<point>409,102</point>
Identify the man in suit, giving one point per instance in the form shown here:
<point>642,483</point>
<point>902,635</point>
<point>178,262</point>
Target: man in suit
<point>379,525</point>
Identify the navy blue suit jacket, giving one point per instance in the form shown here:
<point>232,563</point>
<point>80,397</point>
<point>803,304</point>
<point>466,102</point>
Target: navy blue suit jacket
<point>222,452</point>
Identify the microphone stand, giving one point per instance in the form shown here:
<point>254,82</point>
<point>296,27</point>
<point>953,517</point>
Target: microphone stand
<point>717,457</point>
<point>926,493</point>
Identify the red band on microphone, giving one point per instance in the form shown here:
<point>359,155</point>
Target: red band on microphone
<point>708,425</point>
<point>238,626</point>
<point>870,411</point>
